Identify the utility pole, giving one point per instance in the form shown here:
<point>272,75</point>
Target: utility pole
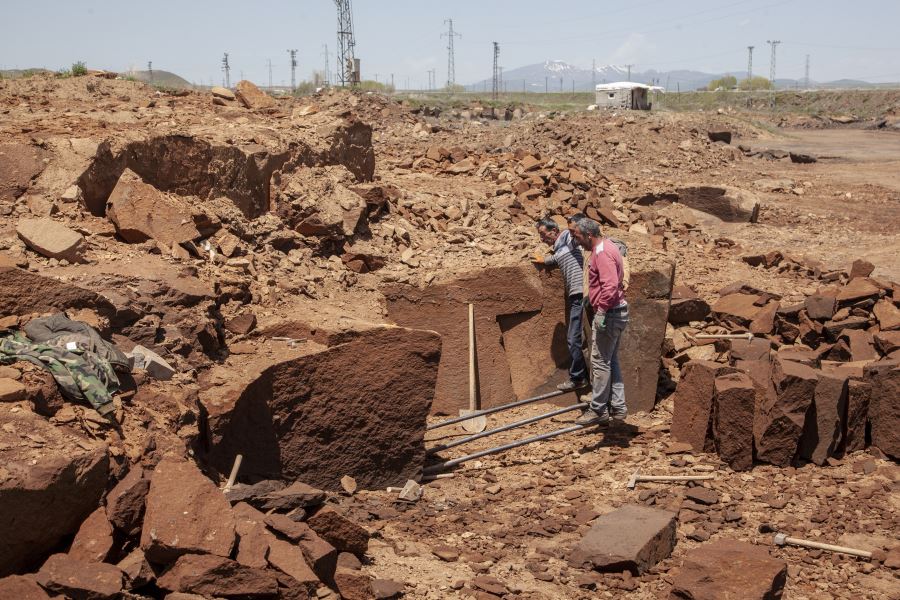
<point>327,63</point>
<point>750,67</point>
<point>774,46</point>
<point>227,68</point>
<point>546,84</point>
<point>346,43</point>
<point>806,74</point>
<point>293,55</point>
<point>270,73</point>
<point>495,87</point>
<point>594,74</point>
<point>451,58</point>
<point>392,82</point>
<point>502,89</point>
<point>629,71</point>
<point>150,67</point>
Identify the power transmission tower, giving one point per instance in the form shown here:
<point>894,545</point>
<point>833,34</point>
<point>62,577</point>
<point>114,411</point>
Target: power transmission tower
<point>501,78</point>
<point>806,74</point>
<point>227,68</point>
<point>629,71</point>
<point>750,67</point>
<point>774,46</point>
<point>150,67</point>
<point>327,64</point>
<point>270,73</point>
<point>293,55</point>
<point>495,88</point>
<point>451,58</point>
<point>346,43</point>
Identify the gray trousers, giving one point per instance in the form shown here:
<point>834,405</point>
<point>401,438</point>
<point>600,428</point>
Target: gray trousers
<point>608,398</point>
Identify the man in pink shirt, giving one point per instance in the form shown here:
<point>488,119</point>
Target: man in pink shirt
<point>607,298</point>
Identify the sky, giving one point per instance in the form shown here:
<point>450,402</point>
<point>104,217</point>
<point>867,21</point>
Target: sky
<point>403,38</point>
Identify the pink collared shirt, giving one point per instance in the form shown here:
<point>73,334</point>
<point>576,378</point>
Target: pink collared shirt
<point>605,274</point>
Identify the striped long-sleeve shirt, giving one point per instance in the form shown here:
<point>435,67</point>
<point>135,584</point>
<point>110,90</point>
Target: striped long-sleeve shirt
<point>570,261</point>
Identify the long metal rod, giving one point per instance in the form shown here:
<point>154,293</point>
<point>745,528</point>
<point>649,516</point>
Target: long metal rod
<point>496,409</point>
<point>506,427</point>
<point>537,438</point>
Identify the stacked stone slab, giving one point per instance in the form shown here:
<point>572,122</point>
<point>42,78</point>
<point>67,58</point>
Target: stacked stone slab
<point>816,378</point>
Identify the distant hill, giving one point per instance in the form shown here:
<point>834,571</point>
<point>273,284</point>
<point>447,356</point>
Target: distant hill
<point>16,73</point>
<point>160,78</point>
<point>557,75</point>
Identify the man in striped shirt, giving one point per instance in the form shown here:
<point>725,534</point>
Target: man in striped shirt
<point>568,258</point>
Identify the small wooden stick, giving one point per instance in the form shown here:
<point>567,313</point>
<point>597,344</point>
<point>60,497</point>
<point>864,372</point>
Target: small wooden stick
<point>724,336</point>
<point>234,472</point>
<point>781,540</point>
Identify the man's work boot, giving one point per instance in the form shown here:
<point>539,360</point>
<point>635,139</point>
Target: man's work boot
<point>570,385</point>
<point>591,417</point>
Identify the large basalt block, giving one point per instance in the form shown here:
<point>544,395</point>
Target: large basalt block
<point>778,423</point>
<point>823,431</point>
<point>729,569</point>
<point>218,577</point>
<point>357,409</point>
<point>141,212</point>
<point>735,399</point>
<point>45,493</point>
<point>884,411</point>
<point>693,403</point>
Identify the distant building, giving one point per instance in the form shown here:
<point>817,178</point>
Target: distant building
<point>623,94</point>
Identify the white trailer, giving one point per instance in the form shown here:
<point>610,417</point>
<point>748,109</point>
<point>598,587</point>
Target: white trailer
<point>623,94</point>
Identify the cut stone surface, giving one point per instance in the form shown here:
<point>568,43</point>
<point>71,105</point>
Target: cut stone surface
<point>686,306</point>
<point>888,315</point>
<point>764,321</point>
<point>222,92</point>
<point>702,495</point>
<point>185,513</point>
<point>693,404</point>
<point>820,307</point>
<point>357,408</point>
<point>862,345</point>
<point>46,492</point>
<point>632,538</point>
<point>353,585</point>
<point>735,399</point>
<point>19,165</point>
<point>823,430</point>
<point>94,539</point>
<point>140,212</point>
<point>253,537</point>
<point>125,503</point>
<point>251,96</point>
<point>241,324</point>
<point>296,495</point>
<point>217,577</point>
<point>859,395</point>
<point>339,531</point>
<point>729,204</point>
<point>739,307</point>
<point>861,268</point>
<point>50,238</point>
<point>778,423</point>
<point>726,569</point>
<point>156,366</point>
<point>884,411</point>
<point>857,289</point>
<point>21,587</point>
<point>755,349</point>
<point>288,559</point>
<point>80,580</point>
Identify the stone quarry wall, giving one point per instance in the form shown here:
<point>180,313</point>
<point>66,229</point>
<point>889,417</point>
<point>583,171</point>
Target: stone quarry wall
<point>354,409</point>
<point>520,329</point>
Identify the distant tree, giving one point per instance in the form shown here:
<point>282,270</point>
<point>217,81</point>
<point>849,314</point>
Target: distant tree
<point>454,89</point>
<point>79,69</point>
<point>367,85</point>
<point>759,83</point>
<point>726,83</point>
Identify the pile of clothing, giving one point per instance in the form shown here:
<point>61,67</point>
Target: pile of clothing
<point>83,364</point>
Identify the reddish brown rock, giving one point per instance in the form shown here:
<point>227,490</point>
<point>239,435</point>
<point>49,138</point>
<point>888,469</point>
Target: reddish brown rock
<point>632,538</point>
<point>887,341</point>
<point>884,411</point>
<point>820,307</point>
<point>296,495</point>
<point>834,329</point>
<point>80,580</point>
<point>741,308</point>
<point>19,165</point>
<point>320,555</point>
<point>339,531</point>
<point>185,513</point>
<point>288,527</point>
<point>125,503</point>
<point>288,559</point>
<point>353,585</point>
<point>94,539</point>
<point>824,427</point>
<point>859,395</point>
<point>764,321</point>
<point>21,587</point>
<point>857,289</point>
<point>357,408</point>
<point>46,493</point>
<point>778,424</point>
<point>729,569</point>
<point>693,404</point>
<point>137,570</point>
<point>861,344</point>
<point>754,349</point>
<point>24,293</point>
<point>217,577</point>
<point>735,397</point>
<point>686,306</point>
<point>861,268</point>
<point>11,390</point>
<point>51,238</point>
<point>888,315</point>
<point>242,324</point>
<point>386,589</point>
<point>253,537</point>
<point>252,97</point>
<point>140,212</point>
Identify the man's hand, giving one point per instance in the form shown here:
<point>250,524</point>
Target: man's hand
<point>600,321</point>
<point>538,259</point>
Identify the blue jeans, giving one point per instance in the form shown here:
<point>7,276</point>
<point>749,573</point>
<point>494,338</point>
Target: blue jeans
<point>578,368</point>
<point>608,398</point>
